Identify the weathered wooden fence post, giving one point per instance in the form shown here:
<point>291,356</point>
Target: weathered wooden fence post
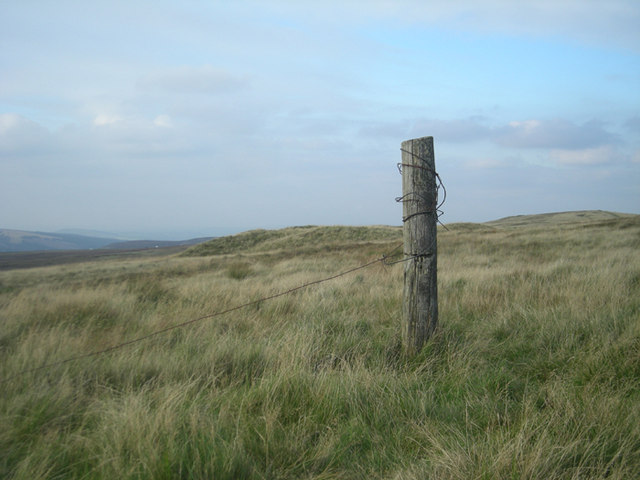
<point>419,217</point>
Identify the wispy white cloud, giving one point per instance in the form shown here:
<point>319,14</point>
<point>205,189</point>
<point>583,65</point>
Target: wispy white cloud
<point>103,119</point>
<point>633,124</point>
<point>19,134</point>
<point>587,156</point>
<point>9,121</point>
<point>555,133</point>
<point>485,162</point>
<point>455,131</point>
<point>193,80</point>
<point>163,121</point>
<point>593,22</point>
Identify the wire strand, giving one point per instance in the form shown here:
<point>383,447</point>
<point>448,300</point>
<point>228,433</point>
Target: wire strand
<point>192,321</point>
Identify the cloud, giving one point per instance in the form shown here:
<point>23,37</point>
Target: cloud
<point>103,119</point>
<point>462,130</point>
<point>556,133</point>
<point>288,100</point>
<point>633,124</point>
<point>9,121</point>
<point>19,134</point>
<point>454,131</point>
<point>588,156</point>
<point>193,80</point>
<point>613,23</point>
<point>383,130</point>
<point>559,135</point>
<point>485,162</point>
<point>104,142</point>
<point>163,121</point>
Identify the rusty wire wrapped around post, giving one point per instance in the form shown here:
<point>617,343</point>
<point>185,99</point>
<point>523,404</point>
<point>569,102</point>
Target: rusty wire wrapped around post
<point>420,211</point>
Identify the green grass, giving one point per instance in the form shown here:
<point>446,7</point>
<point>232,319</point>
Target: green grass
<point>296,240</point>
<point>534,371</point>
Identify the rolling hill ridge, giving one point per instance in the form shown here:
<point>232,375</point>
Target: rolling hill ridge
<point>25,241</point>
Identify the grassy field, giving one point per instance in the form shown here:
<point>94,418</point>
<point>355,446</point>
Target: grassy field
<point>534,371</point>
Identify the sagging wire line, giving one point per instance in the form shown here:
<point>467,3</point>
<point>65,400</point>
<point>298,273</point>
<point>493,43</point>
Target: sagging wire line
<point>382,259</point>
<point>409,256</point>
<point>385,258</point>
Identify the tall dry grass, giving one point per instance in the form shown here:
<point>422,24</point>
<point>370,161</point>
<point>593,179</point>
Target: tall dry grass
<point>534,371</point>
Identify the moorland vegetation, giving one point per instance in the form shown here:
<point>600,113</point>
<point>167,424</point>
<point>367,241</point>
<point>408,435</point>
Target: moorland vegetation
<point>534,371</point>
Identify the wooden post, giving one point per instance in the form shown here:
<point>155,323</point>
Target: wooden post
<point>419,216</point>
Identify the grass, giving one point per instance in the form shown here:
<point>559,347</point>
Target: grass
<point>296,240</point>
<point>534,371</point>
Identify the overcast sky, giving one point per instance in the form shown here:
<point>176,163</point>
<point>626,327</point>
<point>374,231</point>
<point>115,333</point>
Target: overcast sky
<point>178,119</point>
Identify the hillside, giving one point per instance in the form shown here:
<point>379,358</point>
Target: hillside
<point>151,365</point>
<point>21,241</point>
<point>24,241</point>
<point>143,244</point>
<point>307,239</point>
<point>310,239</point>
<point>558,218</point>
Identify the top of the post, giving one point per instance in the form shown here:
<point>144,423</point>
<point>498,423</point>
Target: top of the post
<point>421,140</point>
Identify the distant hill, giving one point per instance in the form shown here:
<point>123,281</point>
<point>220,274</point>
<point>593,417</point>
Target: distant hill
<point>23,241</point>
<point>142,244</point>
<point>292,238</point>
<point>311,238</point>
<point>558,218</point>
<point>297,239</point>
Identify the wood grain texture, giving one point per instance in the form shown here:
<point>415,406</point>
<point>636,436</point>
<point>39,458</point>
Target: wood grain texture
<point>419,190</point>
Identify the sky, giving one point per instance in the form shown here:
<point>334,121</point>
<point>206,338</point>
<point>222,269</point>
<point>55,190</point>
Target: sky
<point>171,120</point>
